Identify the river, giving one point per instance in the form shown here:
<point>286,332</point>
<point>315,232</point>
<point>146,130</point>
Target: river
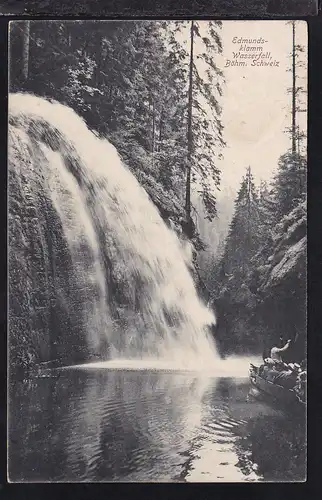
<point>99,425</point>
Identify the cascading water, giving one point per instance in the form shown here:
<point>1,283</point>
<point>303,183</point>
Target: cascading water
<point>106,259</point>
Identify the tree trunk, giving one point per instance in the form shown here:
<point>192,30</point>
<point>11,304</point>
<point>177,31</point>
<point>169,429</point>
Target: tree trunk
<point>160,129</point>
<point>153,132</point>
<point>189,134</point>
<point>246,256</point>
<point>293,92</point>
<point>25,49</point>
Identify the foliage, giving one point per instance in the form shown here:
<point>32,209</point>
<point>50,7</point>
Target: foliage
<point>262,274</point>
<point>261,277</point>
<point>290,182</point>
<point>204,127</point>
<point>243,237</point>
<point>129,80</point>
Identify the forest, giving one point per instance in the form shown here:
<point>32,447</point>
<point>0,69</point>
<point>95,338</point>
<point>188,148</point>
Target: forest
<point>137,85</point>
<point>179,8</point>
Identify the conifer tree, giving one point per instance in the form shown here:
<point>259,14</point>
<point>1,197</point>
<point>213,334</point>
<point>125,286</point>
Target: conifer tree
<point>204,127</point>
<point>130,82</point>
<point>242,239</point>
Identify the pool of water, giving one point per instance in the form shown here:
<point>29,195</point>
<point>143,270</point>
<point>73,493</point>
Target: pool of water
<point>103,425</point>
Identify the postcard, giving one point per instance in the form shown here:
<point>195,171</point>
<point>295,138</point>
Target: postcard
<point>157,251</point>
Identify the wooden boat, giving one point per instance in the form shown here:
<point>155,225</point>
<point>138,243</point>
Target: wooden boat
<point>282,397</point>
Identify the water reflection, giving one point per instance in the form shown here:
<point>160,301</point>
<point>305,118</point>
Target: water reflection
<point>277,446</point>
<point>147,426</point>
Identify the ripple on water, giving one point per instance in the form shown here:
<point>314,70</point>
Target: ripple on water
<point>135,426</point>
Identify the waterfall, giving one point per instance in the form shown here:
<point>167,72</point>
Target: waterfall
<point>87,242</point>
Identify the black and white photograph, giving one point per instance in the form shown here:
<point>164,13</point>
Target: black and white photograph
<point>181,8</point>
<point>157,212</point>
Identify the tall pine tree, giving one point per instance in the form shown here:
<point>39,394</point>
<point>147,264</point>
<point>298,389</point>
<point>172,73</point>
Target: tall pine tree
<point>242,240</point>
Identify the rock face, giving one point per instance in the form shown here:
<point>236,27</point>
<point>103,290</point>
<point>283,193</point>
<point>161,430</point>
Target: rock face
<point>45,298</point>
<point>270,302</point>
<point>283,285</point>
<point>287,262</point>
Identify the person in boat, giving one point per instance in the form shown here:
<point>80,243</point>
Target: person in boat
<point>277,352</point>
<point>268,370</point>
<point>286,378</point>
<point>272,370</point>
